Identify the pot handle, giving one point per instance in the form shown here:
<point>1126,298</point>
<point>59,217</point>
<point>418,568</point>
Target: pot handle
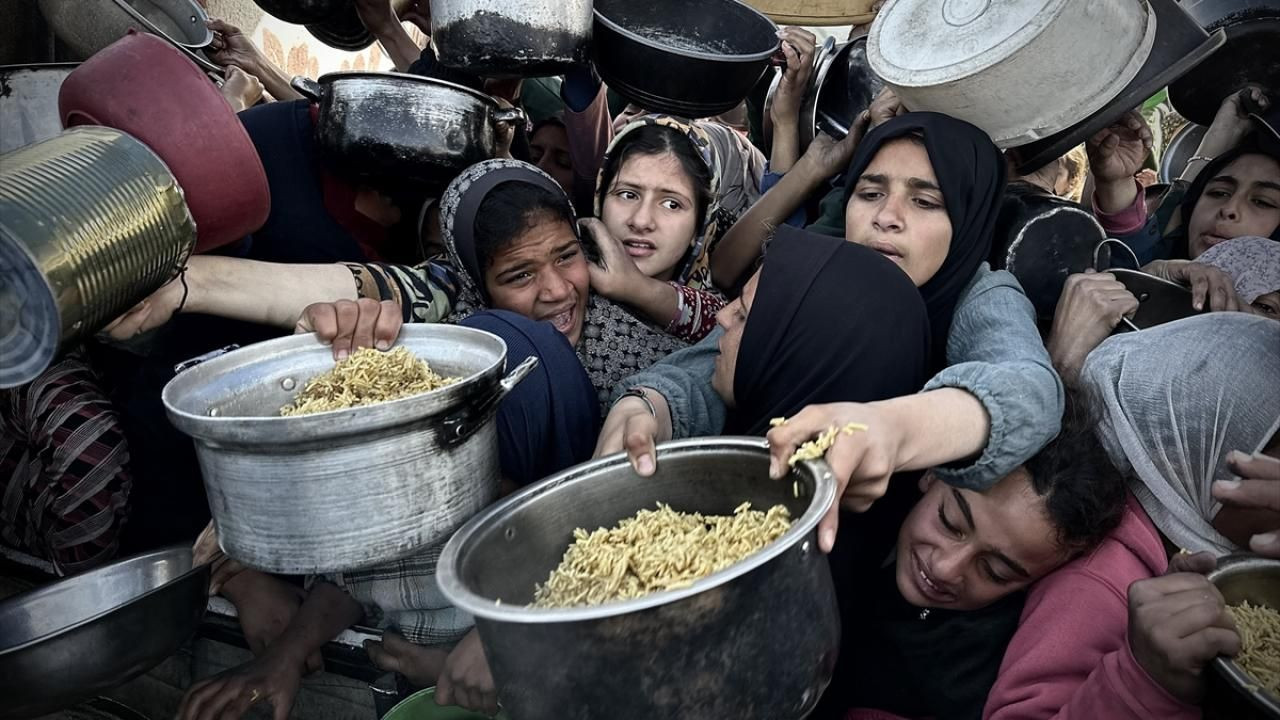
<point>463,424</point>
<point>309,88</point>
<point>514,116</point>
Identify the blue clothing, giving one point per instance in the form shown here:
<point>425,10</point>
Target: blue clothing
<point>993,351</point>
<point>549,421</point>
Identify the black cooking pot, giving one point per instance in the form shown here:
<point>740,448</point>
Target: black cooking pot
<point>1180,150</point>
<point>302,12</point>
<point>344,30</point>
<point>1251,55</point>
<point>684,58</point>
<point>1041,239</point>
<point>390,129</point>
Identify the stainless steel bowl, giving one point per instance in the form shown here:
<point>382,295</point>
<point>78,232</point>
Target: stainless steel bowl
<point>1256,579</point>
<point>71,640</point>
<point>755,641</point>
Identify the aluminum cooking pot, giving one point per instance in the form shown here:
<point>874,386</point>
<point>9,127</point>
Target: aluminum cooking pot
<point>755,641</point>
<point>694,60</point>
<point>1242,577</point>
<point>389,128</point>
<point>1019,70</point>
<point>345,489</point>
<point>528,38</point>
<point>81,636</point>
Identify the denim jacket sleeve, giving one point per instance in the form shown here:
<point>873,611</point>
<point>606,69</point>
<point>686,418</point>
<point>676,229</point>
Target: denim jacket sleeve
<point>684,379</point>
<point>994,351</point>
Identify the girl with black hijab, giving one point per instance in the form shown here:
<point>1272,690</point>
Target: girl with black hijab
<point>994,399</point>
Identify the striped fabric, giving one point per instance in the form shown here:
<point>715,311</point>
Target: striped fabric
<point>64,473</point>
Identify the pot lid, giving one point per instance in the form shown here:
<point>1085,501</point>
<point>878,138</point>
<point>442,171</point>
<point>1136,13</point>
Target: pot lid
<point>980,33</point>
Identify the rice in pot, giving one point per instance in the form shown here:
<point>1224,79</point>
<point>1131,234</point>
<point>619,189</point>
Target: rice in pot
<point>656,550</point>
<point>366,377</point>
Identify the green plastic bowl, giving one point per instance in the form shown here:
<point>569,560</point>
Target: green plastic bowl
<point>422,706</point>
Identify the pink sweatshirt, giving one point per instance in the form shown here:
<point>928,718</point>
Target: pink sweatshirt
<point>1070,658</point>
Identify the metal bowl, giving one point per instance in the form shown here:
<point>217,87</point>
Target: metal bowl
<point>71,640</point>
<point>1256,579</point>
<point>755,641</point>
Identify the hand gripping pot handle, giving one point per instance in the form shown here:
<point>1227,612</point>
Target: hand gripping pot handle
<point>462,424</point>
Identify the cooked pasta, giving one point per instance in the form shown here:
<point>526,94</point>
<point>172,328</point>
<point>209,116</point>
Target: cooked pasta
<point>1259,628</point>
<point>656,550</point>
<point>817,447</point>
<point>366,377</point>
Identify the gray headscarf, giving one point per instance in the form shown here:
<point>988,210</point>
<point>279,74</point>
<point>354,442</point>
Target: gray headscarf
<point>1175,400</point>
<point>615,344</point>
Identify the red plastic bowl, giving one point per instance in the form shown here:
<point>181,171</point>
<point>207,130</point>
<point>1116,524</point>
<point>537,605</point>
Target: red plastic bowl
<point>145,87</point>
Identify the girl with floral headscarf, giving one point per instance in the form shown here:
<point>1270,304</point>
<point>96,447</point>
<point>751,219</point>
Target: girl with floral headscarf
<point>668,190</point>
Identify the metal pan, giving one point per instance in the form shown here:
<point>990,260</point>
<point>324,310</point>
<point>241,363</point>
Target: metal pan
<point>69,641</point>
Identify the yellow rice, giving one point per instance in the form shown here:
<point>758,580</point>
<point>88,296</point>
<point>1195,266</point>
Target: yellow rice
<point>1259,628</point>
<point>656,550</point>
<point>817,447</point>
<point>366,377</point>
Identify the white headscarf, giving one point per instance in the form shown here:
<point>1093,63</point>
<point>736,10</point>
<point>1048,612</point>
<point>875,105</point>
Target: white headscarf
<point>1174,401</point>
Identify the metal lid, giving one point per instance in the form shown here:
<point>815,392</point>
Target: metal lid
<point>980,33</point>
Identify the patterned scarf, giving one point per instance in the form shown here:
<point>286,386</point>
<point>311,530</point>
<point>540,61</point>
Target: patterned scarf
<point>614,345</point>
<point>735,166</point>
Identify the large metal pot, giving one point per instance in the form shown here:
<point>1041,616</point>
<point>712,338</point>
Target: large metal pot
<point>88,26</point>
<point>91,222</point>
<point>756,641</point>
<point>345,489</point>
<point>71,640</point>
<point>388,128</point>
<point>517,37</point>
<point>817,12</point>
<point>1251,55</point>
<point>29,103</point>
<point>690,59</point>
<point>1019,70</point>
<point>1240,578</point>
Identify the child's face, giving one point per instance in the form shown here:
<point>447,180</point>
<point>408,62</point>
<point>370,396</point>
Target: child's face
<point>963,550</point>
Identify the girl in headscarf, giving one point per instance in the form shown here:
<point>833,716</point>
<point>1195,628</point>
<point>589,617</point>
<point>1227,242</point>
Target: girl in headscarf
<point>1175,401</point>
<point>1230,187</point>
<point>925,194</point>
<point>668,190</point>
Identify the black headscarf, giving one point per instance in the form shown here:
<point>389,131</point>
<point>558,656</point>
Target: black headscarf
<point>1181,247</point>
<point>831,322</point>
<point>971,173</point>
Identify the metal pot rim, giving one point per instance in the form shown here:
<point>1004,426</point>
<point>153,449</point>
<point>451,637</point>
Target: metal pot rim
<point>141,558</point>
<point>461,596</point>
<point>279,430</point>
<point>330,78</point>
<point>695,54</point>
<point>1227,668</point>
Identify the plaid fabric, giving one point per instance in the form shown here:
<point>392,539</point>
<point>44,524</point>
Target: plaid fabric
<point>404,595</point>
<point>63,469</point>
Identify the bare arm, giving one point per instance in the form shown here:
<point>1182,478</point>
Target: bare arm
<point>266,293</point>
<point>380,18</point>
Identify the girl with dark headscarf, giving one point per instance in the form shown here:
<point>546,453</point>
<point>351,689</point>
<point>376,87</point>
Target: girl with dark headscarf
<point>994,397</point>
